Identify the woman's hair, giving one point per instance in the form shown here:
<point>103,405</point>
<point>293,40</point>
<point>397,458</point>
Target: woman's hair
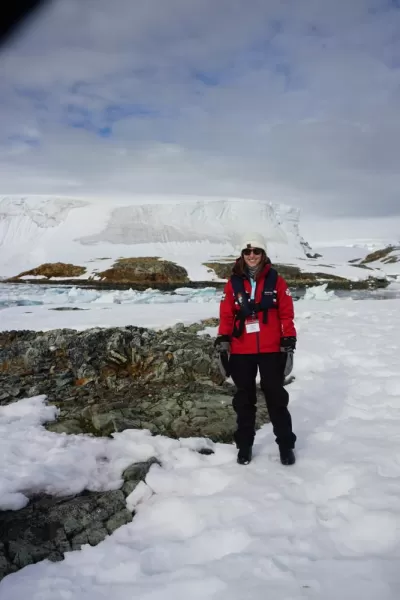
<point>239,267</point>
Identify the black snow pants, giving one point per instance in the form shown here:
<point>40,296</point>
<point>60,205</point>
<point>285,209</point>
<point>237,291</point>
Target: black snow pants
<point>243,368</point>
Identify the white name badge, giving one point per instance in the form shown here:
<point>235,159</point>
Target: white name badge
<point>252,326</point>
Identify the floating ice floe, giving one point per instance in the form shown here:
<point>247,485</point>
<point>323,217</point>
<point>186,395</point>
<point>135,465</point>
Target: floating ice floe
<point>320,292</point>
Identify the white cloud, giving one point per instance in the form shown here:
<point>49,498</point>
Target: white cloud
<point>295,101</point>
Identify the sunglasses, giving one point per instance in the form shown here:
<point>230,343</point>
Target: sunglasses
<point>248,251</point>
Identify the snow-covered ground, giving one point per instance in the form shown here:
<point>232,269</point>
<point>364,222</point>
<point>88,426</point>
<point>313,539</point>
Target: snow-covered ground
<point>206,528</point>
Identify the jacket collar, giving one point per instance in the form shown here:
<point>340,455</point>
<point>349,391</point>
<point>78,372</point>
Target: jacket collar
<point>262,273</point>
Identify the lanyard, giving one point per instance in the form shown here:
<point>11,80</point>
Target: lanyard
<point>253,289</point>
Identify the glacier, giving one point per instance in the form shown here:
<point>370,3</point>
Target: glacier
<point>93,232</point>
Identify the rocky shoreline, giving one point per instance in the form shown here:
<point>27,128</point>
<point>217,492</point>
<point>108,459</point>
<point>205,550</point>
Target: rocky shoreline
<point>104,285</point>
<point>151,272</point>
<point>371,283</point>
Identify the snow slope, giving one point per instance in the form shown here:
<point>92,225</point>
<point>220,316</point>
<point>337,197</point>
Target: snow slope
<point>206,528</point>
<point>357,249</point>
<point>390,264</point>
<point>94,232</point>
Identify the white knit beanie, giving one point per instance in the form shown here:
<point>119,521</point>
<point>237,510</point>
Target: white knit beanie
<point>253,240</point>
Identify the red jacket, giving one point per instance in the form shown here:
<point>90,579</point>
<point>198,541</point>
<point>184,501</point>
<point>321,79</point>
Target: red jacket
<point>280,320</point>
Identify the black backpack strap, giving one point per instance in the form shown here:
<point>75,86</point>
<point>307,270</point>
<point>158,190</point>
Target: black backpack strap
<point>271,280</point>
<point>269,298</point>
<point>242,300</point>
<point>241,295</point>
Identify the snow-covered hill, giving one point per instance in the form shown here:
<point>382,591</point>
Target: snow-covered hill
<point>375,254</point>
<point>187,230</point>
<point>94,232</point>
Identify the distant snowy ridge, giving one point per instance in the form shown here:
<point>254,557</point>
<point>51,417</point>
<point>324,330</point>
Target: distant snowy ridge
<point>379,255</point>
<point>387,259</point>
<point>187,229</point>
<point>45,212</point>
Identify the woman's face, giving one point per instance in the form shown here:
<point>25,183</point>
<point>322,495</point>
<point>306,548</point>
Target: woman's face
<point>252,256</point>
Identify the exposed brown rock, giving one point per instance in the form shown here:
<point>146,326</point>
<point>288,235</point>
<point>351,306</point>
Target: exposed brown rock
<point>381,255</point>
<point>144,269</point>
<point>223,270</point>
<point>143,272</point>
<point>391,260</point>
<point>57,269</point>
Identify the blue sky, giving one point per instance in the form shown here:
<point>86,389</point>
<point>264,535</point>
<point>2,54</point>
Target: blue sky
<point>294,101</point>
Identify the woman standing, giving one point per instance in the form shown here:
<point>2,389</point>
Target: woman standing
<point>257,329</point>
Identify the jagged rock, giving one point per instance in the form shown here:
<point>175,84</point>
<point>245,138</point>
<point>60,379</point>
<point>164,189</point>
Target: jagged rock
<point>50,526</point>
<point>108,380</point>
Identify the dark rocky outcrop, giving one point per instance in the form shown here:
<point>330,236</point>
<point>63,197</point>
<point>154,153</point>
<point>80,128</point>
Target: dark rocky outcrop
<point>144,269</point>
<point>107,380</point>
<point>49,270</point>
<point>141,271</point>
<point>386,255</point>
<point>313,255</point>
<point>50,526</point>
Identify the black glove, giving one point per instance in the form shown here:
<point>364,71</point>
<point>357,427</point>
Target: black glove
<point>288,344</point>
<point>223,343</point>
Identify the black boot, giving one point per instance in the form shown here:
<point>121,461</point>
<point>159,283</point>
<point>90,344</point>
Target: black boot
<point>244,455</point>
<point>287,456</point>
